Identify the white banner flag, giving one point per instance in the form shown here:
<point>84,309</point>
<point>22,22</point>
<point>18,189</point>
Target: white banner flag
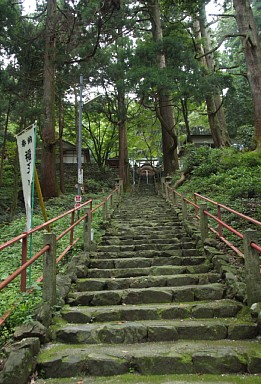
<point>26,141</point>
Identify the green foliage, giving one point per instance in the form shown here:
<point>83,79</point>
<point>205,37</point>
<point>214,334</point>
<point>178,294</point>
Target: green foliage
<point>225,175</point>
<point>245,136</point>
<point>11,257</point>
<point>202,161</point>
<point>22,312</point>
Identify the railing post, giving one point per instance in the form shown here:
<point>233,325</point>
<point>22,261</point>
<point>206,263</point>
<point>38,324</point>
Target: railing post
<point>220,229</point>
<point>174,198</point>
<point>87,229</point>
<point>105,211</point>
<point>166,191</point>
<point>195,202</point>
<point>167,186</point>
<point>253,276</point>
<point>184,208</point>
<point>111,203</point>
<point>49,270</point>
<point>72,230</point>
<point>24,256</point>
<point>163,186</point>
<point>203,222</point>
<point>121,186</point>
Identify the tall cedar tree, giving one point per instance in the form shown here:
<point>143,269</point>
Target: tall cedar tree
<point>252,50</point>
<point>164,108</point>
<point>48,174</point>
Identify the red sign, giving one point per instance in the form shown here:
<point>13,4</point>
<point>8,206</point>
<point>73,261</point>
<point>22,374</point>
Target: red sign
<point>77,205</point>
<point>78,199</point>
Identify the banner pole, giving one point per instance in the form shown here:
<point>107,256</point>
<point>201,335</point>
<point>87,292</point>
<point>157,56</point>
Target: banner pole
<point>40,197</point>
<point>32,209</point>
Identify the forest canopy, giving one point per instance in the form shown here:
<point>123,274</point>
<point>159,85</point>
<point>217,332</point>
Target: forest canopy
<point>156,73</point>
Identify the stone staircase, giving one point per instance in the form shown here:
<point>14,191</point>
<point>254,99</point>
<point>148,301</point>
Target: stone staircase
<point>150,304</point>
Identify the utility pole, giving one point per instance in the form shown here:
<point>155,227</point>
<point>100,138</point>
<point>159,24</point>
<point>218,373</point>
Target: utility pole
<point>80,170</point>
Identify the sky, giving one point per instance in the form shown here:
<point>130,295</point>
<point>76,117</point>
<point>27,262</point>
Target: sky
<point>29,6</point>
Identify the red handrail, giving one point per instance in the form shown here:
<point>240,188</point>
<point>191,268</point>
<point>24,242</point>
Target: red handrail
<point>24,238</point>
<point>218,218</point>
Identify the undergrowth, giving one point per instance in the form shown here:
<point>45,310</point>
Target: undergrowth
<point>225,175</point>
<point>22,304</point>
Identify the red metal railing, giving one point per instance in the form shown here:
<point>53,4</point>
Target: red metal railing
<point>221,211</point>
<point>24,239</point>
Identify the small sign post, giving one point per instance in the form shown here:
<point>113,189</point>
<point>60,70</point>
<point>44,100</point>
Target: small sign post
<point>78,200</point>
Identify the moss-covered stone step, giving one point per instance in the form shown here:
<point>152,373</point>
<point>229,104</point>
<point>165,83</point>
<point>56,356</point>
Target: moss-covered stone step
<point>216,357</point>
<point>101,254</point>
<point>99,284</point>
<point>134,378</point>
<point>148,271</point>
<point>144,253</point>
<point>143,262</point>
<point>157,246</point>
<point>111,238</point>
<point>155,330</point>
<point>131,242</point>
<point>149,295</point>
<point>214,309</point>
<point>141,232</point>
<point>140,226</point>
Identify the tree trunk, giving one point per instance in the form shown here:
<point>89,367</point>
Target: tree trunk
<point>122,111</point>
<point>216,117</point>
<point>252,50</point>
<point>164,108</point>
<point>4,142</point>
<point>184,106</point>
<point>13,208</point>
<point>61,128</point>
<point>48,174</point>
<point>123,141</point>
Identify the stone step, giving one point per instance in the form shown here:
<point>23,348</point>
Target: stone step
<point>124,231</point>
<point>130,378</point>
<point>100,284</point>
<point>130,238</point>
<point>142,262</point>
<point>130,332</point>
<point>150,305</point>
<point>166,246</point>
<point>214,309</point>
<point>100,254</point>
<point>145,253</point>
<point>149,271</point>
<point>211,356</point>
<point>166,216</point>
<point>149,295</point>
<point>149,228</point>
<point>112,241</point>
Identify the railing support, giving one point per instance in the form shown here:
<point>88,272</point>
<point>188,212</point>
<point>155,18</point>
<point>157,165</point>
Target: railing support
<point>167,186</point>
<point>24,257</point>
<point>49,270</point>
<point>174,198</point>
<point>184,208</point>
<point>121,186</point>
<point>111,203</point>
<point>253,276</point>
<point>163,186</point>
<point>105,211</point>
<point>87,230</point>
<point>203,222</point>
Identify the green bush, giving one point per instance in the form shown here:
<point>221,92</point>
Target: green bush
<point>244,182</point>
<point>225,175</point>
<point>202,161</point>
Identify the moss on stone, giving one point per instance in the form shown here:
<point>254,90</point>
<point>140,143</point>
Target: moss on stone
<point>164,379</point>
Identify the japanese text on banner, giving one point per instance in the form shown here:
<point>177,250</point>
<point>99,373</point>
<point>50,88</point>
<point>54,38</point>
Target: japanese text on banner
<point>26,150</point>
